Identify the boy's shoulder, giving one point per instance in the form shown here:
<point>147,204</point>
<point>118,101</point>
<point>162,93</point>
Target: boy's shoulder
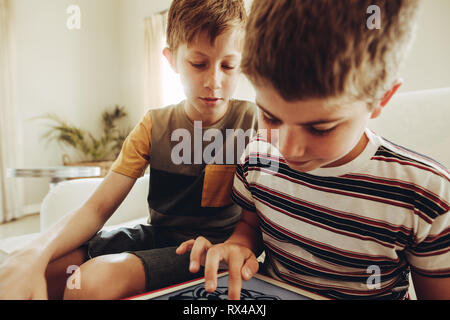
<point>243,105</point>
<point>410,179</point>
<point>414,171</point>
<point>163,116</point>
<point>242,111</point>
<point>410,163</point>
<point>165,109</point>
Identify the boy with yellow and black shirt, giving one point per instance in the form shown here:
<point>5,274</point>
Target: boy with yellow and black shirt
<point>186,197</point>
<point>189,194</point>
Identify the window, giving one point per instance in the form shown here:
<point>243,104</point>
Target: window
<point>173,92</point>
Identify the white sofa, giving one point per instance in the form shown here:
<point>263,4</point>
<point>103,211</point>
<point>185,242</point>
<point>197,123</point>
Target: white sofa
<point>69,195</point>
<point>418,120</point>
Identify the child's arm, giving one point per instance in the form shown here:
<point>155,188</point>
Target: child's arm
<point>22,275</point>
<point>238,252</point>
<point>431,288</point>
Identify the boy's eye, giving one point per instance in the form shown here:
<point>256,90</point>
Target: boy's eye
<point>228,67</point>
<point>270,120</point>
<point>320,132</point>
<point>198,65</point>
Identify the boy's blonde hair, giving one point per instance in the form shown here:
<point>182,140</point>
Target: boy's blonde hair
<point>188,18</point>
<point>323,48</point>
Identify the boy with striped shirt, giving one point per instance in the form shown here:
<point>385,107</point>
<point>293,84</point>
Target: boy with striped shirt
<point>188,195</point>
<point>340,210</point>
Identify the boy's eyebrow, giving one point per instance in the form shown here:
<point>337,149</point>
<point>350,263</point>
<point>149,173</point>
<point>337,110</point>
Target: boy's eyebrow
<point>205,55</point>
<point>199,53</point>
<point>311,123</point>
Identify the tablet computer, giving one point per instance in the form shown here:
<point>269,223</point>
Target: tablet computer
<point>260,287</point>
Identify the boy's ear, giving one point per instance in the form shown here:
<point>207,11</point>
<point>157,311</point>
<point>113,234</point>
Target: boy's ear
<point>387,97</point>
<point>170,58</point>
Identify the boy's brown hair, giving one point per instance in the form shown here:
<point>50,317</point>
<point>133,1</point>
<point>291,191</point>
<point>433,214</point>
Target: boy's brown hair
<point>323,48</point>
<point>188,18</point>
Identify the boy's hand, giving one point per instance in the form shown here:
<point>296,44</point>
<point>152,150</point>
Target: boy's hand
<point>242,263</point>
<point>22,278</point>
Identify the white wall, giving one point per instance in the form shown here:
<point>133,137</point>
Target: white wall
<point>428,64</point>
<point>71,73</point>
<point>132,14</point>
<point>76,74</point>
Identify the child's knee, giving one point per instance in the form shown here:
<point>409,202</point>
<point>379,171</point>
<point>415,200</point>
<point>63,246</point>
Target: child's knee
<point>102,278</point>
<point>87,281</point>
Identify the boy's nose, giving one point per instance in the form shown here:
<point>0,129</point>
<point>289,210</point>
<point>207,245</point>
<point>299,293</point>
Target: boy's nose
<point>213,79</point>
<point>291,143</point>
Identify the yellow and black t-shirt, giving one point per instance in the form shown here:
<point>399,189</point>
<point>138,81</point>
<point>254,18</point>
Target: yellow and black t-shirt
<point>192,197</point>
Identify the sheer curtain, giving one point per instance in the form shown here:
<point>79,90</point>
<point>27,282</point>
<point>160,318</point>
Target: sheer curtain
<point>154,42</point>
<point>11,191</point>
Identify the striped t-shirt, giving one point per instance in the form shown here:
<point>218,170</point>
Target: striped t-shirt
<point>352,231</point>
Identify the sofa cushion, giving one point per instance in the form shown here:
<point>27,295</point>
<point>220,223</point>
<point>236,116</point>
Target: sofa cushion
<point>418,121</point>
<point>70,195</point>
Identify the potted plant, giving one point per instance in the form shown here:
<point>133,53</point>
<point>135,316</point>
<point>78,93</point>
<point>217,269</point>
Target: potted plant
<point>94,151</point>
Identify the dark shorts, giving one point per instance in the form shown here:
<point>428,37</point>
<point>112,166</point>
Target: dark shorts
<point>154,246</point>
